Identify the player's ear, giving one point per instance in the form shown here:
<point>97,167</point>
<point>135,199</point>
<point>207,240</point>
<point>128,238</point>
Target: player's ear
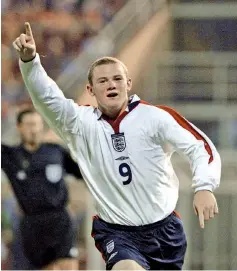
<point>129,84</point>
<point>90,90</point>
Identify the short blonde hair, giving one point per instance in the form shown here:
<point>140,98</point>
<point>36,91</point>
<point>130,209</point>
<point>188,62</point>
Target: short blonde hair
<point>104,61</point>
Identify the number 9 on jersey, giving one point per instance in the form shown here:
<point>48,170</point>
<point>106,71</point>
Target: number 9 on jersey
<point>125,171</point>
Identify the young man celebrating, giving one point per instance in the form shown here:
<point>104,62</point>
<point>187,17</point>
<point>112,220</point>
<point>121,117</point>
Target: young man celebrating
<point>123,148</point>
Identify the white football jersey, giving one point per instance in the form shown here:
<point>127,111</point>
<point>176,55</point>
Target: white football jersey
<point>126,165</point>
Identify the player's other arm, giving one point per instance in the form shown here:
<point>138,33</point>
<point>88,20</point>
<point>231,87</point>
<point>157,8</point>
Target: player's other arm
<point>60,113</point>
<point>71,166</point>
<point>203,157</point>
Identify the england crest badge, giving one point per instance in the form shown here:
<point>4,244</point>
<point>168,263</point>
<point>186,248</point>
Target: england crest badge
<point>118,141</point>
<point>110,246</point>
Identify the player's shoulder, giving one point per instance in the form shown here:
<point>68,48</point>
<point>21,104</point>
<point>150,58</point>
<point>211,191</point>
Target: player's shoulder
<point>158,111</point>
<point>86,108</point>
<point>87,111</point>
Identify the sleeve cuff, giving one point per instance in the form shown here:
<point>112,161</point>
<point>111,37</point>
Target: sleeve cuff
<point>205,187</point>
<point>28,60</point>
<point>31,62</point>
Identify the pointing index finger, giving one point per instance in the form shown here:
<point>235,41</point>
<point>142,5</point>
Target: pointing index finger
<point>28,29</point>
<point>201,219</point>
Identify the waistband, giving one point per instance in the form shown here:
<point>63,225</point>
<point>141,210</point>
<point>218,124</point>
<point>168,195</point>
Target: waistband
<point>146,227</point>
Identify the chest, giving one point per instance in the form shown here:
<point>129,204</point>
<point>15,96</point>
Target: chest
<point>131,138</point>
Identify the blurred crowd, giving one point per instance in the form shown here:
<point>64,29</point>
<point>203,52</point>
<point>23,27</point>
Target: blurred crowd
<point>206,34</point>
<point>62,29</point>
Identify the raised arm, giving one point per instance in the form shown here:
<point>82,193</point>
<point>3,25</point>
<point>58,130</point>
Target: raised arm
<point>60,113</point>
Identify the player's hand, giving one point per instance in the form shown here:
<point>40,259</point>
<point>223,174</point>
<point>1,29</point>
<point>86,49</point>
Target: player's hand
<point>25,44</point>
<point>205,206</point>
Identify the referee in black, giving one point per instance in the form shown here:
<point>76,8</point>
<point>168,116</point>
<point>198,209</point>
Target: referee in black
<point>36,172</point>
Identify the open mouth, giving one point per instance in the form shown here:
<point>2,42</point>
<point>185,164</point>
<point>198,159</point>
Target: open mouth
<point>111,95</point>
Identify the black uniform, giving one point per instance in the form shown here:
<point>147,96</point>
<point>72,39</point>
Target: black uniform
<point>37,181</point>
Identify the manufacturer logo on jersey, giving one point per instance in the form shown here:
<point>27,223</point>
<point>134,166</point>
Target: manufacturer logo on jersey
<point>119,142</point>
<point>122,158</point>
<point>54,173</point>
<point>110,246</point>
<point>112,255</point>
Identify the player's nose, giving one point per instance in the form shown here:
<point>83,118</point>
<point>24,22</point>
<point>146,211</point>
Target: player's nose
<point>111,85</point>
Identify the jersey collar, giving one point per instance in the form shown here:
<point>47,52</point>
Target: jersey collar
<point>134,100</point>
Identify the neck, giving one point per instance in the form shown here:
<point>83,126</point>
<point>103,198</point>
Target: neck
<point>31,147</point>
<point>114,113</point>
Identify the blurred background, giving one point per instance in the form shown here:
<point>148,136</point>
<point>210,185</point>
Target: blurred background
<point>179,53</point>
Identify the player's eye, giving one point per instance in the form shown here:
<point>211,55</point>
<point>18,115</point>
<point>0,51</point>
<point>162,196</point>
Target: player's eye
<point>102,81</point>
<point>118,78</point>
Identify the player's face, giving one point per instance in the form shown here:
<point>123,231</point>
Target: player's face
<point>110,88</point>
<point>31,129</point>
